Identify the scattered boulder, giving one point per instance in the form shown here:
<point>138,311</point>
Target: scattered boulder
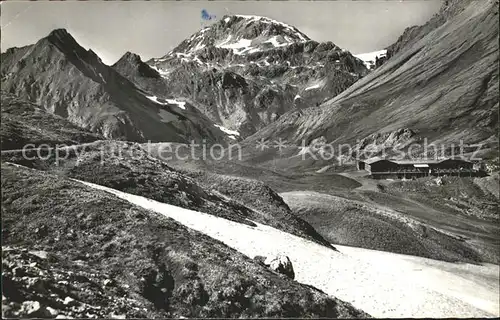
<point>157,285</point>
<point>33,309</point>
<point>30,307</point>
<point>438,181</point>
<point>260,260</point>
<point>108,283</point>
<point>69,301</point>
<point>279,263</point>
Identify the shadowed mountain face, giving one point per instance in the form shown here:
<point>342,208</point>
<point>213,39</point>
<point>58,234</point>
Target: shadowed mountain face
<point>73,83</point>
<point>244,72</point>
<point>441,83</point>
<point>133,68</point>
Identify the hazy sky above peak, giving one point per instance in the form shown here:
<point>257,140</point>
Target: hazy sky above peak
<point>152,28</point>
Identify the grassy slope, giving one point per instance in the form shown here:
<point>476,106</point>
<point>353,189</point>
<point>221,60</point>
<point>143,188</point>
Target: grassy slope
<point>458,195</point>
<point>24,122</point>
<point>278,178</point>
<point>163,266</point>
<point>127,167</point>
<point>355,223</point>
<point>261,198</point>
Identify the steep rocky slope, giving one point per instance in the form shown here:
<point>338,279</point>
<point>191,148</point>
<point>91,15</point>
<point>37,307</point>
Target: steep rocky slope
<point>391,225</point>
<point>133,68</point>
<point>27,123</point>
<point>69,81</point>
<point>244,72</point>
<point>442,86</point>
<point>84,253</point>
<point>449,9</point>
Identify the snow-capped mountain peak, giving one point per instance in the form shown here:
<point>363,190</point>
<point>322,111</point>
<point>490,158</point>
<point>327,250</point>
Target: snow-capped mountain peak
<point>242,60</point>
<point>291,31</point>
<point>243,34</point>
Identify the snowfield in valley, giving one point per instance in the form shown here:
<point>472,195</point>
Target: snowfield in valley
<point>380,283</point>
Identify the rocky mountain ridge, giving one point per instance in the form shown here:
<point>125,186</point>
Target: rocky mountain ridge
<point>71,82</point>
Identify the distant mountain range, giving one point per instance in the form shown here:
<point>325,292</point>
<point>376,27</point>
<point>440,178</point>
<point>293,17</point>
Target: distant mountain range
<point>239,74</point>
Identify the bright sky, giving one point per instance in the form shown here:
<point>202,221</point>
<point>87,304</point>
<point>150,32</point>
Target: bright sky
<point>152,28</point>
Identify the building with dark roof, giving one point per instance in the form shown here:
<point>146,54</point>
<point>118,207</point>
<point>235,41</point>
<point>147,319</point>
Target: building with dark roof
<point>388,168</point>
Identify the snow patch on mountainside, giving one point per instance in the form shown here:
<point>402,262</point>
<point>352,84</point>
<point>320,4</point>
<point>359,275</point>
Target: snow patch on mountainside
<point>185,57</point>
<point>163,73</point>
<point>316,86</point>
<point>242,43</point>
<point>102,78</point>
<point>155,100</point>
<point>275,43</point>
<point>230,133</point>
<point>180,104</point>
<point>370,57</point>
<point>382,284</point>
<point>238,47</point>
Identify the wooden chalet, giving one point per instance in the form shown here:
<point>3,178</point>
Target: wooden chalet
<point>388,168</point>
